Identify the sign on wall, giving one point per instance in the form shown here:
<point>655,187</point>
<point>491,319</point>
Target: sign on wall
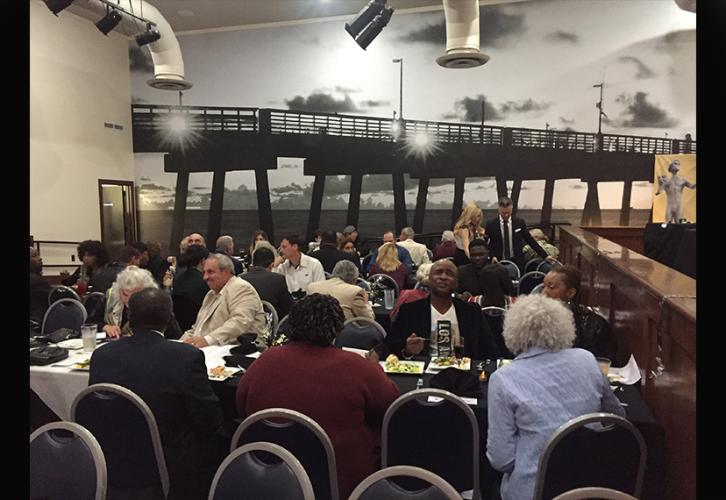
<point>674,181</point>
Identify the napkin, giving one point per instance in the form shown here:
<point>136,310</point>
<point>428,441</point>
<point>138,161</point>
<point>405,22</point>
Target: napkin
<point>629,373</point>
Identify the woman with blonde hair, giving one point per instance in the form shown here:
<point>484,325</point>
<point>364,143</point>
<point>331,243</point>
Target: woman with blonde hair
<point>467,228</point>
<point>387,263</point>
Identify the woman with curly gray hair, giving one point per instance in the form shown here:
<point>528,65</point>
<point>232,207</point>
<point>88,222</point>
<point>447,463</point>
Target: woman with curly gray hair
<point>346,394</point>
<point>547,384</point>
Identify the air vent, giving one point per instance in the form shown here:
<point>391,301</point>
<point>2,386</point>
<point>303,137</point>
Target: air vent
<point>458,59</point>
<point>173,84</point>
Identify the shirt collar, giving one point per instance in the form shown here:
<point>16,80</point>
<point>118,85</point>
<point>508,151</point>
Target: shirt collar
<point>532,352</point>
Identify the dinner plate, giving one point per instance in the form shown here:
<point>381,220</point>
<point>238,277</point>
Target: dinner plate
<point>71,344</point>
<point>228,373</point>
<point>82,366</point>
<point>404,367</point>
<point>460,366</point>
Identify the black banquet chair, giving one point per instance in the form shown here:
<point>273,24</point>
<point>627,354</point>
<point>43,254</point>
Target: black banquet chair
<point>261,470</point>
<point>62,292</point>
<point>301,436</point>
<point>126,429</point>
<point>95,304</point>
<point>532,264</point>
<point>271,318</point>
<point>529,281</point>
<point>64,313</point>
<point>66,463</point>
<point>381,486</point>
<point>594,492</point>
<point>452,451</point>
<point>573,456</point>
<point>185,311</point>
<point>546,266</point>
<point>384,282</point>
<point>360,333</point>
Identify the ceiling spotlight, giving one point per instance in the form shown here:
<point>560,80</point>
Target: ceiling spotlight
<point>369,22</point>
<point>109,21</point>
<point>56,6</point>
<point>149,36</point>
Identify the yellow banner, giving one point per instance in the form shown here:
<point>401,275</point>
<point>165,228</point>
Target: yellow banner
<point>674,180</point>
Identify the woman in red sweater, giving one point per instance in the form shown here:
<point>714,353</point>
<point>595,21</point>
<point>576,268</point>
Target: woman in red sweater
<point>344,393</point>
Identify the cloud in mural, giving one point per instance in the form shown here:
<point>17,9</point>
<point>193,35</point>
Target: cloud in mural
<point>319,101</point>
<point>154,187</point>
<point>524,106</point>
<point>672,41</point>
<point>563,37</point>
<point>144,179</point>
<point>140,60</point>
<point>347,90</point>
<point>639,112</point>
<point>374,104</point>
<point>577,186</point>
<point>468,109</point>
<point>495,28</point>
<point>566,121</point>
<point>643,70</point>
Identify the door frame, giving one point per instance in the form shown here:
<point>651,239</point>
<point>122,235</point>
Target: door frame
<point>132,205</point>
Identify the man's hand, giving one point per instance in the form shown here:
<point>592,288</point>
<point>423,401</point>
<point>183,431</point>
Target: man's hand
<point>549,258</point>
<point>197,341</point>
<point>494,260</point>
<point>112,331</point>
<point>414,344</point>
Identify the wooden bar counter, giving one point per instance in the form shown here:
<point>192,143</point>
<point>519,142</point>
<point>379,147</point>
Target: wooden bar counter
<point>652,309</point>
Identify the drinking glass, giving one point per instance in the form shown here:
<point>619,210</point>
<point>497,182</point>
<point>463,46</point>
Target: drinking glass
<point>88,334</point>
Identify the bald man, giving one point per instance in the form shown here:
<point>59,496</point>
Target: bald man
<point>416,320</point>
<point>196,239</point>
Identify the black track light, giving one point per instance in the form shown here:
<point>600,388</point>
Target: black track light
<point>56,6</point>
<point>364,17</point>
<point>374,28</point>
<point>149,36</point>
<point>109,21</point>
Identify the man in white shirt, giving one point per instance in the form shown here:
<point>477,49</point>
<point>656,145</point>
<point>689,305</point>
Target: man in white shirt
<point>419,254</point>
<point>299,269</point>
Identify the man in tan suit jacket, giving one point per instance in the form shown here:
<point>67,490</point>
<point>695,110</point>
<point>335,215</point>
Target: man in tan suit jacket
<point>341,285</point>
<point>418,252</point>
<point>230,308</point>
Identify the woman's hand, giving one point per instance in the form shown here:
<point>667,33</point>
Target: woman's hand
<point>112,331</point>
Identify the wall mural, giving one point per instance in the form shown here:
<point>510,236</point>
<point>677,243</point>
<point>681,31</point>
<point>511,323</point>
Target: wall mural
<point>546,58</point>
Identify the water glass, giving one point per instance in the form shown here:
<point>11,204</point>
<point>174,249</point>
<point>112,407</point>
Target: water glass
<point>88,334</point>
<point>389,298</point>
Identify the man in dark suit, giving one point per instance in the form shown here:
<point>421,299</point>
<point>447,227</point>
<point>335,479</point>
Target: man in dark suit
<point>270,286</point>
<point>488,280</point>
<point>328,253</point>
<point>508,235</point>
<point>171,377</point>
<point>415,320</point>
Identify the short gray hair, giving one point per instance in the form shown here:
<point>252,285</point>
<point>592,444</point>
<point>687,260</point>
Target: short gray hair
<point>408,232</point>
<point>265,244</point>
<point>538,321</point>
<point>346,271</point>
<point>223,261</point>
<point>133,277</point>
<point>422,273</point>
<point>224,242</point>
<point>447,235</point>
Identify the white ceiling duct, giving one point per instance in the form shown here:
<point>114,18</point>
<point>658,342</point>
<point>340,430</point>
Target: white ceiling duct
<point>462,35</point>
<point>165,52</point>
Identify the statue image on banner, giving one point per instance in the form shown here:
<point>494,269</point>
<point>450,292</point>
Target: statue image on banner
<point>678,207</point>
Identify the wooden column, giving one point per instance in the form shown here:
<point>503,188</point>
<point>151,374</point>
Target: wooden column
<point>591,214</point>
<point>180,207</point>
<point>458,203</point>
<point>549,192</point>
<point>516,188</point>
<point>263,203</point>
<point>316,204</point>
<point>418,216</point>
<point>214,226</point>
<point>501,187</point>
<point>625,206</point>
<point>356,182</point>
<point>399,201</point>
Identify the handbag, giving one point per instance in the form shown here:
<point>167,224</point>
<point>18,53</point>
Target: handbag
<point>47,354</point>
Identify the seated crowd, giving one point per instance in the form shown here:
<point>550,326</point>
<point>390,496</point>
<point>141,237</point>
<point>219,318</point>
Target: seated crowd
<point>208,298</point>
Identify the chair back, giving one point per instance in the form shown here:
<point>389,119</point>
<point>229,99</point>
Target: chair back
<point>597,449</point>
<point>538,289</point>
<point>494,316</point>
<point>64,313</point>
<point>530,280</point>
<point>58,292</point>
<point>301,436</point>
<point>413,434</point>
<point>126,429</point>
<point>271,318</point>
<point>430,254</point>
<point>261,470</point>
<point>594,492</point>
<point>381,486</point>
<point>511,268</point>
<point>532,264</point>
<point>360,333</point>
<point>185,311</point>
<point>66,462</point>
<point>546,266</point>
<point>95,303</point>
<point>384,282</point>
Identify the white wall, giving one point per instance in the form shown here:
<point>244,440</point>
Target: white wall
<point>79,79</point>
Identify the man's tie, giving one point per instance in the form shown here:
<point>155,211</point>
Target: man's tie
<point>507,246</point>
